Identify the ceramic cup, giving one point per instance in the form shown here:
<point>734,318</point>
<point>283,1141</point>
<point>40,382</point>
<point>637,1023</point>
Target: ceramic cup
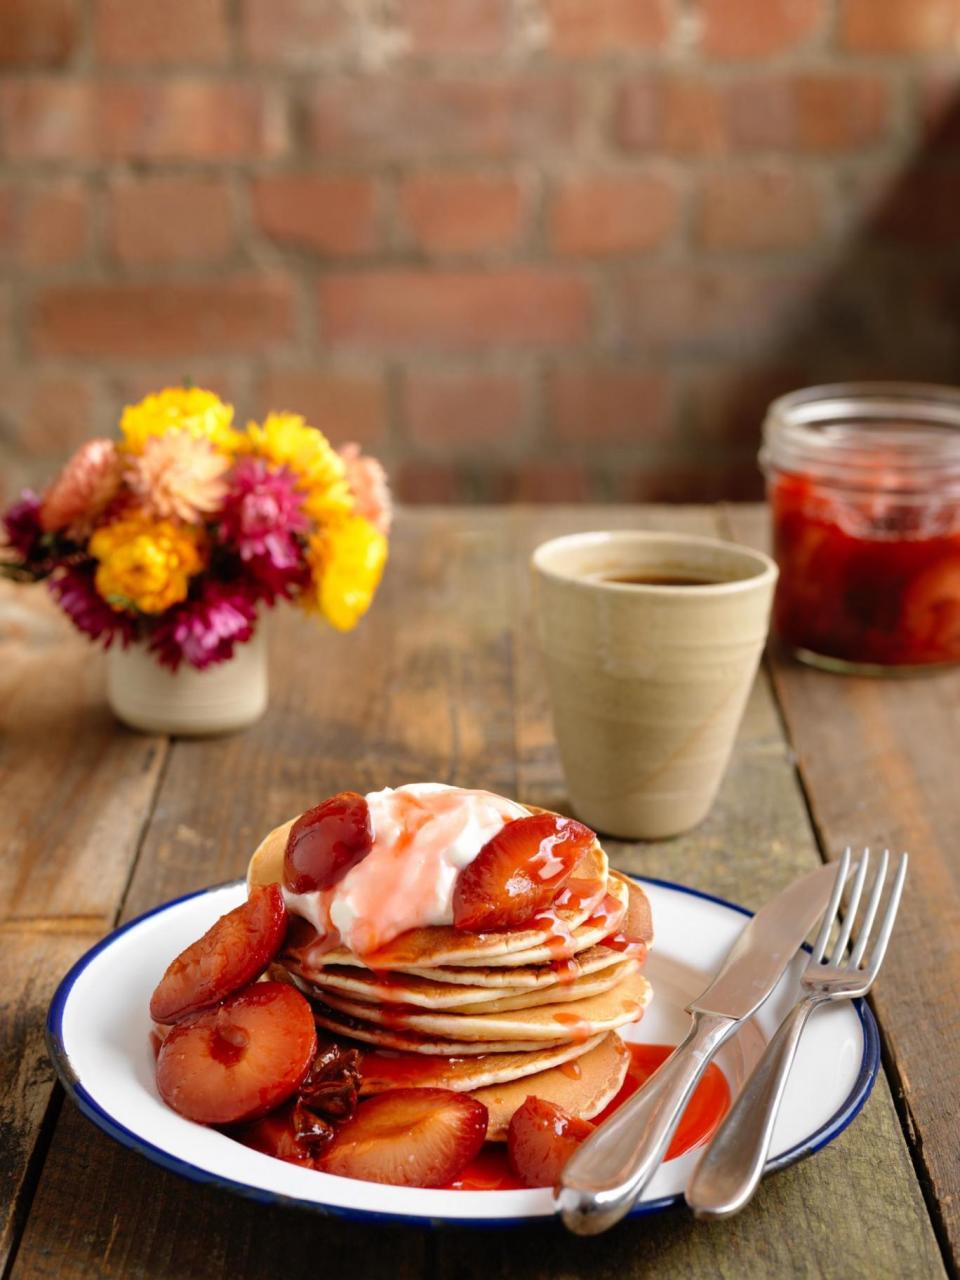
<point>648,682</point>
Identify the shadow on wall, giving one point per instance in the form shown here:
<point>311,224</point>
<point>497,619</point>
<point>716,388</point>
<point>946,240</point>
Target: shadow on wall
<point>886,308</point>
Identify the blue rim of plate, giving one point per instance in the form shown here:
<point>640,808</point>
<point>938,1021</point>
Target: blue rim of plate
<point>845,1114</point>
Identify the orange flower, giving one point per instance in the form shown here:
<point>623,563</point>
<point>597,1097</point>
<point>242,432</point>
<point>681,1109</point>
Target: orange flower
<point>179,475</point>
<point>83,490</point>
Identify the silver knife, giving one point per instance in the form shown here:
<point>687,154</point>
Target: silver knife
<point>608,1172</point>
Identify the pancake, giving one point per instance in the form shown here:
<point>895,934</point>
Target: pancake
<point>382,1071</point>
<point>349,1028</point>
<point>573,1020</point>
<point>582,1088</point>
<point>561,992</point>
<point>501,1015</point>
<point>395,988</point>
<point>522,977</point>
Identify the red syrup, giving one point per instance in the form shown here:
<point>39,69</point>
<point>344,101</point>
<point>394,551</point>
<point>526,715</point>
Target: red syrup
<point>491,1171</point>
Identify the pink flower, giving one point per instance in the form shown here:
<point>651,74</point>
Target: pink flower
<point>177,475</point>
<point>74,592</point>
<point>205,629</point>
<point>260,518</point>
<point>83,490</point>
<point>368,483</point>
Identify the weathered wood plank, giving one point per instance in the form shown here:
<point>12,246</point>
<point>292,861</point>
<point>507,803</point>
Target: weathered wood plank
<point>423,689</point>
<point>879,761</point>
<point>75,791</point>
<point>442,682</point>
<point>74,787</point>
<point>31,964</point>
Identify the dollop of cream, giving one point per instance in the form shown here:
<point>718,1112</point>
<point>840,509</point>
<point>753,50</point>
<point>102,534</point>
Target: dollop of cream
<point>423,835</point>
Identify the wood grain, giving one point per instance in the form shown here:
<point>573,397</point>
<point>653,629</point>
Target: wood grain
<point>74,787</point>
<point>442,681</point>
<point>878,759</point>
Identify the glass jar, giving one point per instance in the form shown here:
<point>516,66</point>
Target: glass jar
<point>863,481</point>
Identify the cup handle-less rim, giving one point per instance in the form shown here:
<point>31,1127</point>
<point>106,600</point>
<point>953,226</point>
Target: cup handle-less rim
<point>764,569</point>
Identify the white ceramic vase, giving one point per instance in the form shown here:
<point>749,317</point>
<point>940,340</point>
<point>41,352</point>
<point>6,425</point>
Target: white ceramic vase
<point>222,698</point>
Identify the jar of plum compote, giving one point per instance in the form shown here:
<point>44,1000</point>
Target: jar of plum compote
<point>863,481</point>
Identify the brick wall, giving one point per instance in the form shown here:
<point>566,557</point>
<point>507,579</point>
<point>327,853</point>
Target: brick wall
<point>523,248</point>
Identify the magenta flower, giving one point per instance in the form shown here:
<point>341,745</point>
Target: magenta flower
<point>74,592</point>
<point>261,516</point>
<point>205,629</point>
<point>21,525</point>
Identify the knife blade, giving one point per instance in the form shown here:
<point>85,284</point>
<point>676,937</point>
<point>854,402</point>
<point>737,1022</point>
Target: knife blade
<point>608,1172</point>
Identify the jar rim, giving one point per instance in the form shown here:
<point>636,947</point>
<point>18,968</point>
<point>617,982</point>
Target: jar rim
<point>895,436</point>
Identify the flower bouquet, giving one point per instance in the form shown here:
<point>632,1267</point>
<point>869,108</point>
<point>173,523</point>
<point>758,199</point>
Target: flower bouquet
<point>172,539</point>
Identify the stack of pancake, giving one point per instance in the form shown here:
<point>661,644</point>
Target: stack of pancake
<point>499,1015</point>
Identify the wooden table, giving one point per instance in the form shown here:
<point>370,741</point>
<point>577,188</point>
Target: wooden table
<point>442,682</point>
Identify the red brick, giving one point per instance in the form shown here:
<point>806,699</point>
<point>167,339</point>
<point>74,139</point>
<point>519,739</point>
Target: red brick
<point>691,306</point>
<point>676,114</point>
<point>810,111</point>
<point>464,407</point>
<point>157,220</point>
<point>47,119</point>
<point>900,26</point>
<point>920,207</point>
<point>598,214</point>
<point>541,480</point>
<point>346,406</point>
<point>192,119</point>
<point>454,26</point>
<point>55,224</point>
<point>462,213</point>
<point>330,215</point>
<point>759,28</point>
<point>38,33</point>
<point>522,307</point>
<point>940,119</point>
<point>417,481</point>
<point>177,119</point>
<point>6,321</point>
<point>726,404</point>
<point>758,208</point>
<point>293,33</point>
<point>139,33</point>
<point>162,319</point>
<point>9,223</point>
<point>50,413</point>
<point>610,403</point>
<point>393,119</point>
<point>592,28</point>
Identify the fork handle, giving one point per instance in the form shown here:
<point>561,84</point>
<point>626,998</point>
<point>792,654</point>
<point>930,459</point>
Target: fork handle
<point>732,1165</point>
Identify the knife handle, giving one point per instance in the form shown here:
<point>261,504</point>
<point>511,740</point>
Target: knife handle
<point>732,1165</point>
<point>607,1173</point>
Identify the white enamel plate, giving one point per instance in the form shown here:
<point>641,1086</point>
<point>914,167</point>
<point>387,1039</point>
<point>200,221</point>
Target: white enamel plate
<point>98,1030</point>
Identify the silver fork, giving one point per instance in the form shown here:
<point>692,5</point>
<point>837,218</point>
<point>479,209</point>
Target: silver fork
<point>731,1167</point>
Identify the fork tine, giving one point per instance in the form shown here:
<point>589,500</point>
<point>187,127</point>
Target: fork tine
<point>851,911</point>
<point>886,928</point>
<point>843,870</point>
<point>866,924</point>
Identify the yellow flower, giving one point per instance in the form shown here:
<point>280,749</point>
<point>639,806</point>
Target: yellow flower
<point>145,564</point>
<point>285,440</point>
<point>346,562</point>
<point>199,413</point>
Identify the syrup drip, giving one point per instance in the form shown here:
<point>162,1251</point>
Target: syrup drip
<point>491,1170</point>
<point>609,912</point>
<point>572,1070</point>
<point>580,1028</point>
<point>629,946</point>
<point>566,970</point>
